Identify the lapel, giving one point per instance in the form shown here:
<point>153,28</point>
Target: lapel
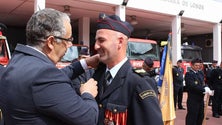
<point>99,77</point>
<point>117,81</point>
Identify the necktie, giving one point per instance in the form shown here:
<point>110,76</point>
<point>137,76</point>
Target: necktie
<point>107,77</point>
<point>106,80</point>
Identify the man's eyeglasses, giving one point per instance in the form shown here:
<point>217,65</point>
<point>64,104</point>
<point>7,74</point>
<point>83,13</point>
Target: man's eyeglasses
<point>66,39</point>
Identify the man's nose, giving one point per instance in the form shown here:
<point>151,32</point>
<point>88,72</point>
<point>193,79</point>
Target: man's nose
<point>96,46</point>
<point>69,44</point>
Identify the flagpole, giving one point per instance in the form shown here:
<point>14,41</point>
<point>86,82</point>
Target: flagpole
<point>205,109</point>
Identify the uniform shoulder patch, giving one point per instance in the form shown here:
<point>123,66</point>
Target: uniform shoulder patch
<point>140,72</point>
<point>147,93</point>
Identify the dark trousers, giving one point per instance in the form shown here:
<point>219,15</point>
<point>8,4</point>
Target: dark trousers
<point>178,97</point>
<point>217,101</point>
<point>195,112</point>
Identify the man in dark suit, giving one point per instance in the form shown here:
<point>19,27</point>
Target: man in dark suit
<point>196,90</point>
<point>178,85</point>
<point>33,91</point>
<point>125,98</point>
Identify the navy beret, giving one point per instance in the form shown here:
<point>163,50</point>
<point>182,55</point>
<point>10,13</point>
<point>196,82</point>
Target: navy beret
<point>113,22</point>
<point>149,62</point>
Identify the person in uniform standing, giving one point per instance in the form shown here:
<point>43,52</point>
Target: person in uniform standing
<point>124,97</point>
<point>33,91</point>
<point>178,84</point>
<point>208,77</point>
<point>196,91</point>
<point>216,84</point>
<point>150,72</point>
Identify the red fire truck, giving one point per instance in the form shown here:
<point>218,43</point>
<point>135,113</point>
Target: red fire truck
<point>139,49</point>
<point>5,54</point>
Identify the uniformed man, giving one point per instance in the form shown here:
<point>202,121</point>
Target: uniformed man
<point>125,98</point>
<point>208,77</point>
<point>178,84</point>
<point>216,84</point>
<point>196,90</point>
<point>151,72</point>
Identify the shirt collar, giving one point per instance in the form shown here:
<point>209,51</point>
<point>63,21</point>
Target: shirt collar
<point>115,69</point>
<point>36,49</point>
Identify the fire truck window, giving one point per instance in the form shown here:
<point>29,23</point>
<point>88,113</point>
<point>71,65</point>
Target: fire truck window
<point>190,54</point>
<point>139,48</point>
<point>1,48</point>
<point>142,50</point>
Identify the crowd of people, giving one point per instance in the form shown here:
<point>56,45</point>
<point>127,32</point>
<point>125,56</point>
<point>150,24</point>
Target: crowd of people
<point>102,89</point>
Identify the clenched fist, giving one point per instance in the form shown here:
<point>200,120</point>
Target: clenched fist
<point>90,87</point>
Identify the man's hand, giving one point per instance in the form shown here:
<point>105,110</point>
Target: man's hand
<point>92,61</point>
<point>90,87</point>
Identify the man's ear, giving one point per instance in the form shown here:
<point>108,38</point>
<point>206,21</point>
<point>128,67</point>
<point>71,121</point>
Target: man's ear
<point>121,42</point>
<point>50,41</point>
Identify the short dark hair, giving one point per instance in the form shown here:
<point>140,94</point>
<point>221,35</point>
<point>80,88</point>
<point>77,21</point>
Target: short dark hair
<point>149,62</point>
<point>179,61</point>
<point>195,60</point>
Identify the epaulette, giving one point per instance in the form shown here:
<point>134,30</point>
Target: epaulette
<point>140,72</point>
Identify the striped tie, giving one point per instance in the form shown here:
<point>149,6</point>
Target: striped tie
<point>106,80</point>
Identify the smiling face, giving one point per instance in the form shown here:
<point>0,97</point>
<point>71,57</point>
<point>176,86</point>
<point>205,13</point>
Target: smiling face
<point>111,46</point>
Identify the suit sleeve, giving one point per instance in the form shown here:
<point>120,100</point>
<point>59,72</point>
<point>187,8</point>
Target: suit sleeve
<point>146,109</point>
<point>73,70</point>
<point>54,96</point>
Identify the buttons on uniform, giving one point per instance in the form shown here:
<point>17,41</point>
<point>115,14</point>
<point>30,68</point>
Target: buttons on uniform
<point>100,105</point>
<point>114,110</point>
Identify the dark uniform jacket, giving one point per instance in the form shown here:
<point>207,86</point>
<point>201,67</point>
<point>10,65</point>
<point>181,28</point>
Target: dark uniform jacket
<point>177,77</point>
<point>128,96</point>
<point>81,79</point>
<point>34,92</point>
<point>194,84</point>
<point>216,78</point>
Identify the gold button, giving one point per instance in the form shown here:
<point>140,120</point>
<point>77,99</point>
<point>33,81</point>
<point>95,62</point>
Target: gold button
<point>100,105</point>
<point>115,110</point>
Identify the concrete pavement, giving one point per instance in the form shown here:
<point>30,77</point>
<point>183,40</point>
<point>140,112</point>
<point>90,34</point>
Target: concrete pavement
<point>181,114</point>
